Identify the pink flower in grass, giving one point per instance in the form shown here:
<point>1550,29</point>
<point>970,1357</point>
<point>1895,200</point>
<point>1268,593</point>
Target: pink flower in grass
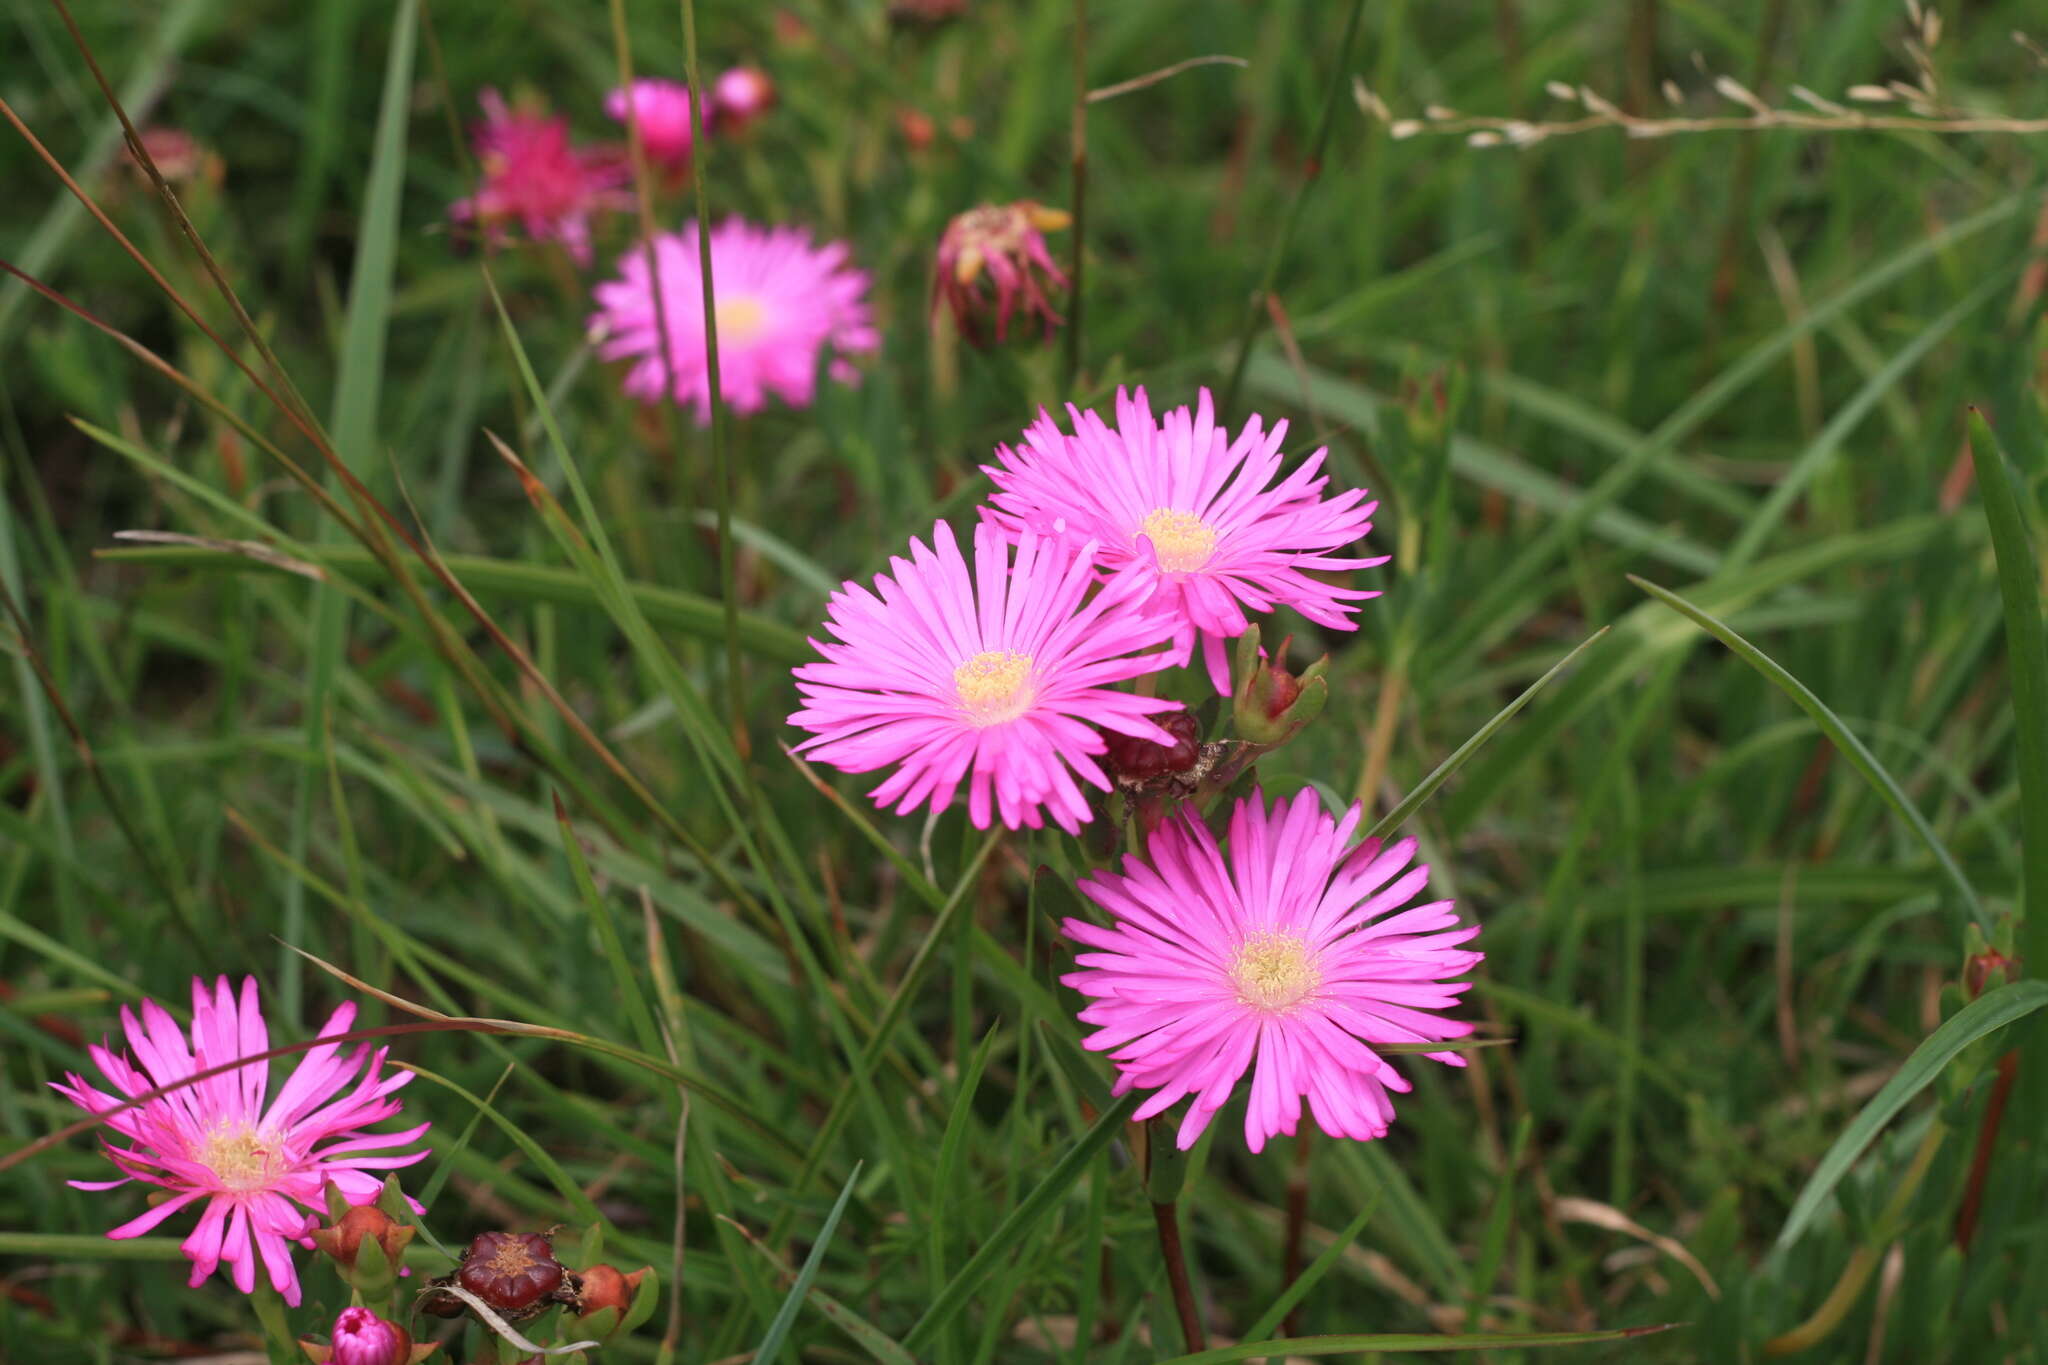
<point>534,178</point>
<point>782,303</point>
<point>996,674</point>
<point>260,1168</point>
<point>662,111</point>
<point>1286,956</point>
<point>1197,514</point>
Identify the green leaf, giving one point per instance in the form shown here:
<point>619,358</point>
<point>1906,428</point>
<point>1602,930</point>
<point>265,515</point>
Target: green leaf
<point>2019,585</point>
<point>1832,726</point>
<point>1003,1242</point>
<point>1985,1015</point>
<point>1309,1278</point>
<point>1426,788</point>
<point>771,1343</point>
<point>526,582</point>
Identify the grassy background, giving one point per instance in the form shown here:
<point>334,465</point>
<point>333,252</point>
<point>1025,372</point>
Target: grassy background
<point>1733,365</point>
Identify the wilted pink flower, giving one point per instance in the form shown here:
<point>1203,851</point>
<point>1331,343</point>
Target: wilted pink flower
<point>1196,514</point>
<point>741,95</point>
<point>662,111</point>
<point>1006,243</point>
<point>259,1167</point>
<point>996,675</point>
<point>780,302</point>
<point>1283,957</point>
<point>533,177</point>
<point>360,1337</point>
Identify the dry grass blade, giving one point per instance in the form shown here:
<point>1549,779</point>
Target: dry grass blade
<point>1151,78</point>
<point>1573,1209</point>
<point>247,549</point>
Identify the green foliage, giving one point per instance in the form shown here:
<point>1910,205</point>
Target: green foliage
<point>463,729</point>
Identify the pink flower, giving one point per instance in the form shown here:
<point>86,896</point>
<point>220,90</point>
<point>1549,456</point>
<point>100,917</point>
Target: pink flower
<point>533,177</point>
<point>1007,242</point>
<point>360,1337</point>
<point>1197,514</point>
<point>662,111</point>
<point>1284,957</point>
<point>781,302</point>
<point>996,675</point>
<point>260,1168</point>
<point>741,95</point>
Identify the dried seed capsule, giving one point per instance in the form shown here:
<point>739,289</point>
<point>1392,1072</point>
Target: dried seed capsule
<point>516,1273</point>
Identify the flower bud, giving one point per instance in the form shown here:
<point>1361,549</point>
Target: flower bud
<point>360,1337</point>
<point>607,1286</point>
<point>1987,969</point>
<point>741,95</point>
<point>1140,760</point>
<point>1005,243</point>
<point>1271,703</point>
<point>343,1239</point>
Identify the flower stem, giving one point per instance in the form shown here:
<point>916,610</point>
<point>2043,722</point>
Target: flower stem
<point>1167,1217</point>
<point>1080,195</point>
<point>1987,1143</point>
<point>1311,171</point>
<point>1297,1223</point>
<point>721,464</point>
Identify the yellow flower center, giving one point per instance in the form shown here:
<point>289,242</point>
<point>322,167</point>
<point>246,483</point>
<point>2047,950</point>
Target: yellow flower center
<point>240,1157</point>
<point>1273,972</point>
<point>1181,541</point>
<point>994,686</point>
<point>741,318</point>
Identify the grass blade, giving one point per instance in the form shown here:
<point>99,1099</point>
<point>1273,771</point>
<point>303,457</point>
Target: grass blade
<point>1003,1242</point>
<point>1985,1015</point>
<point>1426,788</point>
<point>771,1343</point>
<point>2019,585</point>
<point>1831,725</point>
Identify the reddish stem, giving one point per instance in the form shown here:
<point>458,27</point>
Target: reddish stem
<point>1177,1277</point>
<point>1987,1141</point>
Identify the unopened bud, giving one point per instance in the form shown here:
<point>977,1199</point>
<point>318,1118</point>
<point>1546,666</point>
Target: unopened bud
<point>360,1337</point>
<point>344,1238</point>
<point>1987,970</point>
<point>607,1286</point>
<point>740,96</point>
<point>1272,703</point>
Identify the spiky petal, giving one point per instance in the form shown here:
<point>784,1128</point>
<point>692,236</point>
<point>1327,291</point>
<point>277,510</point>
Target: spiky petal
<point>1198,514</point>
<point>1291,957</point>
<point>781,300</point>
<point>995,675</point>
<point>259,1163</point>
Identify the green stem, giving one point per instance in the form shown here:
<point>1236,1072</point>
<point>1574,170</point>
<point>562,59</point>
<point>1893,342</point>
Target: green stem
<point>720,464</point>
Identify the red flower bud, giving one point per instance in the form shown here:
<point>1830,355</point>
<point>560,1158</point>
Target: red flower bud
<point>345,1238</point>
<point>606,1286</point>
<point>1983,970</point>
